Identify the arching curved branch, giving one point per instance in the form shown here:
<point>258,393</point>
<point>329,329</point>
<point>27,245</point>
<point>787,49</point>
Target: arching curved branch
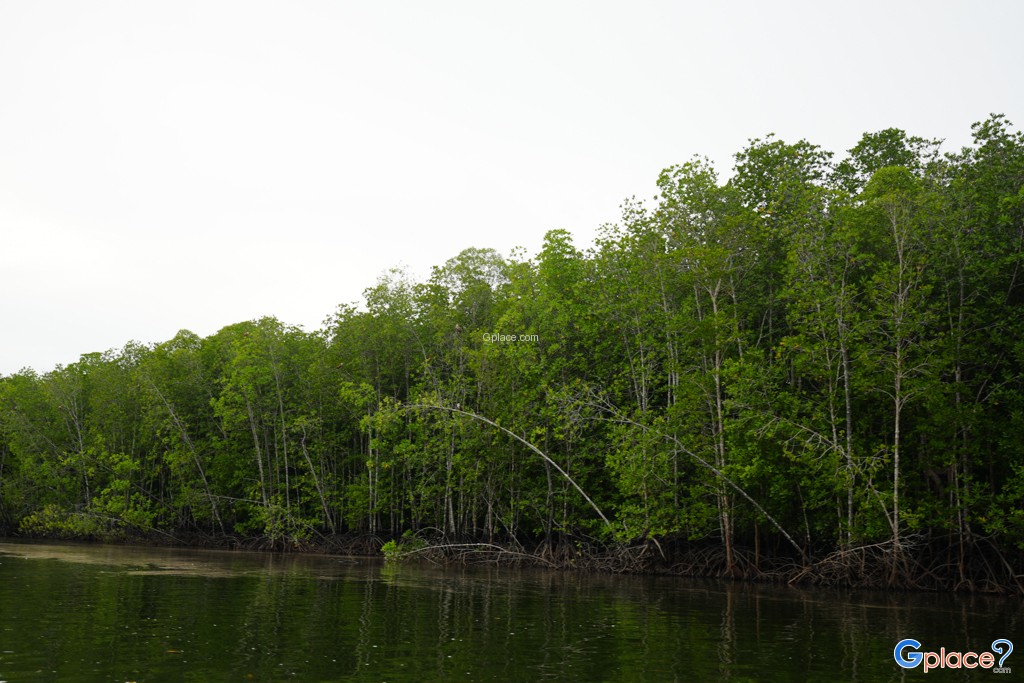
<point>622,419</point>
<point>523,441</point>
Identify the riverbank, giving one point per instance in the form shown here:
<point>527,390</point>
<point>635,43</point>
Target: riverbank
<point>934,567</point>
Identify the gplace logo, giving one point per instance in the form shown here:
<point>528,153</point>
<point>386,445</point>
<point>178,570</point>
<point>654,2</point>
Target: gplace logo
<point>908,655</point>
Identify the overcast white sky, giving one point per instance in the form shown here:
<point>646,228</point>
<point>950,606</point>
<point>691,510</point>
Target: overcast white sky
<point>168,165</point>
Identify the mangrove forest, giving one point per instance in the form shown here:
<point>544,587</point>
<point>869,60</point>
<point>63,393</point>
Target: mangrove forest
<point>811,370</point>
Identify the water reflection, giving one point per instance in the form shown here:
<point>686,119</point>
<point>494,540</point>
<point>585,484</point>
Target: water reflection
<point>112,613</point>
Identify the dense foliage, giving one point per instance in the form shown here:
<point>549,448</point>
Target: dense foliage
<point>808,358</point>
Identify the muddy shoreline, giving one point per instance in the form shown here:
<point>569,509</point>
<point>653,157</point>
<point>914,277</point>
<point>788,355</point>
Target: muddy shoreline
<point>932,567</point>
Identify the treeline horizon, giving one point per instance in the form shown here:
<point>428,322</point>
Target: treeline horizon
<point>810,360</point>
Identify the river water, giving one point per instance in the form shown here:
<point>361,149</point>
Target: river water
<point>107,613</point>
